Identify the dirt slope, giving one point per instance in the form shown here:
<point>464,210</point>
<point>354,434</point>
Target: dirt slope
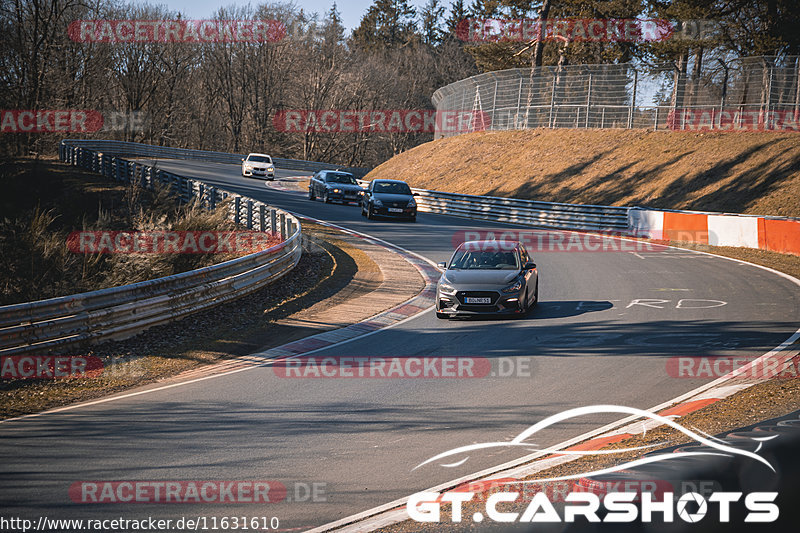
<point>736,172</point>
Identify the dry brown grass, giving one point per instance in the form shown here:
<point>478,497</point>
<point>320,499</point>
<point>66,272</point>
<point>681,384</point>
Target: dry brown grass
<point>47,200</point>
<point>752,172</point>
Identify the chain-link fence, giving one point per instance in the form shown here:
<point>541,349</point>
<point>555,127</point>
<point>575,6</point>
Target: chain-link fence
<point>755,93</point>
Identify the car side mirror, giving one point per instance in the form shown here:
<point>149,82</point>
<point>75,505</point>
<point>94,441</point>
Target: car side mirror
<point>443,265</point>
<point>530,265</point>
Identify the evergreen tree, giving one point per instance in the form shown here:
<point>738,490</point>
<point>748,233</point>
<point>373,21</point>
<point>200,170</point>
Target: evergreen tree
<point>387,24</point>
<point>457,13</point>
<point>431,22</point>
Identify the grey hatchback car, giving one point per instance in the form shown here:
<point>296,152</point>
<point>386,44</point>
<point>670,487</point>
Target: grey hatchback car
<point>487,277</point>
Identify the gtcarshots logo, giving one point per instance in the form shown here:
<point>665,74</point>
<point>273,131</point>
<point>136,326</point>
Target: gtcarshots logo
<point>348,367</point>
<point>620,507</point>
<point>380,121</point>
<point>176,31</point>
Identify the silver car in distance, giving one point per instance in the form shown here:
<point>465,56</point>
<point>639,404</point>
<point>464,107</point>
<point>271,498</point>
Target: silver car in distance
<point>487,277</point>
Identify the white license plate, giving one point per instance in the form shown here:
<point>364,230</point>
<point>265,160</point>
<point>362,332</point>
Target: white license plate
<point>477,300</point>
<point>395,210</point>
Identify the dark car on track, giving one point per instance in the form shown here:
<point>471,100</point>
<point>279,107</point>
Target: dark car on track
<point>389,198</point>
<point>487,277</point>
<point>335,186</point>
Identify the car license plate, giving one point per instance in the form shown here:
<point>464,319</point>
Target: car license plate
<point>395,210</point>
<point>477,300</point>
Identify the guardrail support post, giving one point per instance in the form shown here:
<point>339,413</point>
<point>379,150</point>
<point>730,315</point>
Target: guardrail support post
<point>262,217</point>
<point>236,207</point>
<point>249,214</point>
<point>212,198</point>
<point>284,235</point>
<point>273,224</point>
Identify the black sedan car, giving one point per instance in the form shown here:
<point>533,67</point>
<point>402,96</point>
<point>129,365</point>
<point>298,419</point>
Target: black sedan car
<point>389,198</point>
<point>335,186</point>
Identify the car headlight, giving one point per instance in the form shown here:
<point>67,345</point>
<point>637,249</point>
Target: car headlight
<point>377,202</point>
<point>361,193</point>
<point>412,203</point>
<point>337,190</point>
<point>516,287</point>
<point>271,169</point>
<point>446,289</point>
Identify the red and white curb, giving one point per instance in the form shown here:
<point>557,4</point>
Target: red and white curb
<point>516,470</point>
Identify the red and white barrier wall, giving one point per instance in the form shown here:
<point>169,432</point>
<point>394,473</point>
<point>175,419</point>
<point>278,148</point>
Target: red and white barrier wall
<point>744,231</point>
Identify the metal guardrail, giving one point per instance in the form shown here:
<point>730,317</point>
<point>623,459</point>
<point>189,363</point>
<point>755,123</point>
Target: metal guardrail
<point>121,311</point>
<point>528,212</point>
<point>131,149</point>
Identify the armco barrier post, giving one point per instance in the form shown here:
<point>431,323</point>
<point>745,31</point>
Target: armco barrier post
<point>249,214</point>
<point>262,217</point>
<point>236,207</point>
<point>212,198</point>
<point>273,221</point>
<point>283,226</point>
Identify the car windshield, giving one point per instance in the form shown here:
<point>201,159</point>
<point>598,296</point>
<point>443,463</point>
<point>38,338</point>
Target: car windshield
<point>341,178</point>
<point>259,159</point>
<point>390,187</point>
<point>484,260</point>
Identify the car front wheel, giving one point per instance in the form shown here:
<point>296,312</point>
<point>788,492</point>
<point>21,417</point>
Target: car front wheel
<point>441,315</point>
<point>311,194</point>
<point>326,198</point>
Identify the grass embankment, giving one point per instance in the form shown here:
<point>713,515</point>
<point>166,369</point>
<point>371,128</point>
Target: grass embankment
<point>44,201</point>
<point>736,172</point>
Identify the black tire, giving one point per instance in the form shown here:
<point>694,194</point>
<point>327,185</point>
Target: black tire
<point>412,219</point>
<point>363,213</point>
<point>442,315</point>
<point>326,198</point>
<point>311,194</point>
<point>370,216</point>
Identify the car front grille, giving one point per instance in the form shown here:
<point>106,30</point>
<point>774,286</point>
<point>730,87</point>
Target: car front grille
<point>462,295</point>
